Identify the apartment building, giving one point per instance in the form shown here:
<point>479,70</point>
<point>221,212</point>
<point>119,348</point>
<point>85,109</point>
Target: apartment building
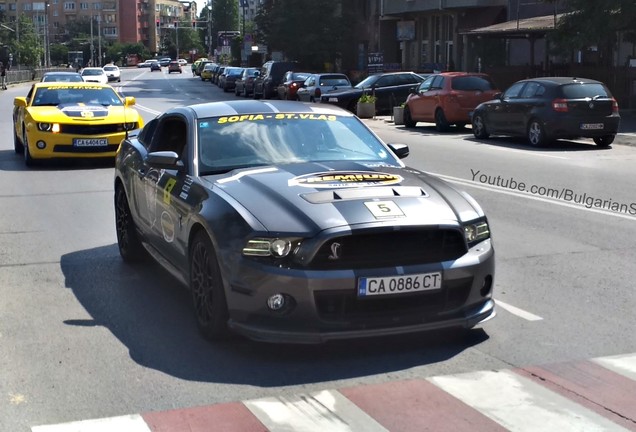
<point>128,21</point>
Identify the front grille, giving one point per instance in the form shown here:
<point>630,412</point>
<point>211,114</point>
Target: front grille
<point>64,148</point>
<point>390,249</point>
<point>390,311</point>
<point>95,129</point>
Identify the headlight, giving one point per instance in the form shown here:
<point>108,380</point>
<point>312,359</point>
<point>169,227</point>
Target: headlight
<point>130,126</point>
<point>44,127</point>
<point>476,232</point>
<point>274,247</point>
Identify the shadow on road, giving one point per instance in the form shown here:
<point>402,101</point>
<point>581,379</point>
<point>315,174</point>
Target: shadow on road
<point>150,313</point>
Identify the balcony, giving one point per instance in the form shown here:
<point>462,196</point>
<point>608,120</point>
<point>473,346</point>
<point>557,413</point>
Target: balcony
<point>392,7</point>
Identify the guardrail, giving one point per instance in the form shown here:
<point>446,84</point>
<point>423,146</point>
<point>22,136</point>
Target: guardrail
<point>26,75</point>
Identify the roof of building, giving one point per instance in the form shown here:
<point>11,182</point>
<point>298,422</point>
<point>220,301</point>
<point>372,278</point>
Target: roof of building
<point>518,27</point>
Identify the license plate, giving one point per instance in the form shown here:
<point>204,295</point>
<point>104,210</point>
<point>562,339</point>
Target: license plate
<point>376,286</point>
<point>90,142</point>
<point>592,126</point>
<point>332,99</point>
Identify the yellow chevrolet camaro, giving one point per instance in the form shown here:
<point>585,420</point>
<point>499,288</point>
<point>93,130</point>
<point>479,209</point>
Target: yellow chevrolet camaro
<point>71,120</point>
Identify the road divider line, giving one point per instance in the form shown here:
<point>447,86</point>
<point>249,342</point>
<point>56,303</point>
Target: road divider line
<point>528,195</point>
<point>529,153</point>
<point>518,312</point>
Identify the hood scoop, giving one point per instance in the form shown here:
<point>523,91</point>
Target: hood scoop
<point>364,193</point>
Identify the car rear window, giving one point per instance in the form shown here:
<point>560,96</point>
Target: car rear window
<point>581,91</point>
<point>334,81</point>
<point>472,83</point>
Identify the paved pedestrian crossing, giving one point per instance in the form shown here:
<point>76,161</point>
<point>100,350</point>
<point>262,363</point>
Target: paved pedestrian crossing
<point>586,396</point>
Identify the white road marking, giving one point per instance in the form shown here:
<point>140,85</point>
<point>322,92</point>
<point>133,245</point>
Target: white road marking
<point>129,423</point>
<point>518,312</point>
<point>521,405</point>
<point>328,410</point>
<point>149,110</point>
<point>528,195</point>
<point>622,364</point>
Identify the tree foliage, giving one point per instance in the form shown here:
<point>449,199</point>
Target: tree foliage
<point>312,35</point>
<point>188,39</point>
<point>595,23</point>
<point>225,17</point>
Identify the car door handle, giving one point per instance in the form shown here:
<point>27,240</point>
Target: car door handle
<point>141,172</point>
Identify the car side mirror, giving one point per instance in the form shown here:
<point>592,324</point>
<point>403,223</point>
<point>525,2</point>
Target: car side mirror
<point>129,101</point>
<point>498,96</point>
<point>400,150</point>
<point>20,102</point>
<point>165,160</point>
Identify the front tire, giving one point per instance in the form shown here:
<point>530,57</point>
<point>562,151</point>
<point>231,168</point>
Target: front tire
<point>479,127</point>
<point>408,120</point>
<point>28,159</point>
<point>604,141</point>
<point>17,145</point>
<point>130,247</point>
<point>206,285</point>
<point>536,134</point>
<point>441,124</point>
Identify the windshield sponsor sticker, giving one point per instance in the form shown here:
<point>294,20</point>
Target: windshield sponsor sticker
<point>280,116</point>
<point>345,179</point>
<point>74,87</point>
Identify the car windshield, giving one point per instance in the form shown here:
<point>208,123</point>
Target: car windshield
<point>582,91</point>
<point>110,68</point>
<point>92,72</point>
<point>331,81</point>
<point>368,81</point>
<point>53,96</point>
<point>62,77</point>
<point>232,142</point>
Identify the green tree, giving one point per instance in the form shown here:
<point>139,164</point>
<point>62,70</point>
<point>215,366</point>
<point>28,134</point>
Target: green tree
<point>225,17</point>
<point>29,49</point>
<point>59,54</point>
<point>287,26</point>
<point>595,23</point>
<point>188,39</point>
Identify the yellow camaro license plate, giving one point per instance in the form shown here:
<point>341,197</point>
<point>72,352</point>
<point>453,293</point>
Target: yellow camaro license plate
<point>90,142</point>
<point>373,286</point>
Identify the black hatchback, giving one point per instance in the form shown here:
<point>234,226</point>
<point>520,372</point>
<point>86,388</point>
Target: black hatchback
<point>549,108</point>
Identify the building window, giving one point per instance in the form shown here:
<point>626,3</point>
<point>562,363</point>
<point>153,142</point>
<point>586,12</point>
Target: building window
<point>84,6</point>
<point>27,6</point>
<point>12,6</point>
<point>2,7</point>
<point>69,5</point>
<point>97,6</point>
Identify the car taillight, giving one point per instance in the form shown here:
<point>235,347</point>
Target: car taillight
<point>293,85</point>
<point>318,92</point>
<point>614,106</point>
<point>560,105</point>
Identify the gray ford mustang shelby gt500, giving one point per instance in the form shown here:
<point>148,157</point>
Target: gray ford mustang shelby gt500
<point>295,223</point>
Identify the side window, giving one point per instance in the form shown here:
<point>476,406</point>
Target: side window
<point>426,85</point>
<point>171,135</point>
<point>30,94</point>
<point>514,91</point>
<point>408,79</point>
<point>383,81</point>
<point>145,136</point>
<point>438,83</point>
<point>311,81</point>
<point>531,90</point>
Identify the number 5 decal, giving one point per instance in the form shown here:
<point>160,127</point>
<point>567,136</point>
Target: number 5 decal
<point>384,209</point>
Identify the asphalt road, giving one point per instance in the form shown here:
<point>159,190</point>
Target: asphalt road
<point>84,336</point>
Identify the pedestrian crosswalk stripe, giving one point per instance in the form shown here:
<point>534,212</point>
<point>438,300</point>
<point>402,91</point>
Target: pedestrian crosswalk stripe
<point>328,410</point>
<point>622,364</point>
<point>520,404</point>
<point>128,423</point>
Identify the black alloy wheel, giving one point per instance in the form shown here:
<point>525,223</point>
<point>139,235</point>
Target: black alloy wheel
<point>479,127</point>
<point>604,141</point>
<point>536,134</point>
<point>206,285</point>
<point>130,247</point>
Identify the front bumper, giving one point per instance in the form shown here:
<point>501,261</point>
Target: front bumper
<point>325,305</point>
<point>62,145</point>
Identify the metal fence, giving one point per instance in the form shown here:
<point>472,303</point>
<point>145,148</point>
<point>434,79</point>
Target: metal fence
<point>26,75</point>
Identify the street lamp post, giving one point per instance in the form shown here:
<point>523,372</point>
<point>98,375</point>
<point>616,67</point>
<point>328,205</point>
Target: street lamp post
<point>210,29</point>
<point>47,41</point>
<point>99,39</point>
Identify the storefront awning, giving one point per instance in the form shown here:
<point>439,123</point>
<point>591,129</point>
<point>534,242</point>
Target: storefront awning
<point>521,28</point>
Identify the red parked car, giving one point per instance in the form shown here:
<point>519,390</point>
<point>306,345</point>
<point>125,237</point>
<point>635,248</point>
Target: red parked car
<point>292,81</point>
<point>448,98</point>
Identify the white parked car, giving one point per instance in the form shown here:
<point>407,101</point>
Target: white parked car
<point>182,62</point>
<point>112,73</point>
<point>94,74</point>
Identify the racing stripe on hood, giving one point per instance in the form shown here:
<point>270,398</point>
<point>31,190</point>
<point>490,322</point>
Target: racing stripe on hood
<point>84,111</point>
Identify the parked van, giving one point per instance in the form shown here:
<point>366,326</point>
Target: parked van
<point>270,76</point>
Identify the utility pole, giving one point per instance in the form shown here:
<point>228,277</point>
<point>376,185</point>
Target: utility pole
<point>99,39</point>
<point>92,43</point>
<point>210,28</point>
<point>46,35</point>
